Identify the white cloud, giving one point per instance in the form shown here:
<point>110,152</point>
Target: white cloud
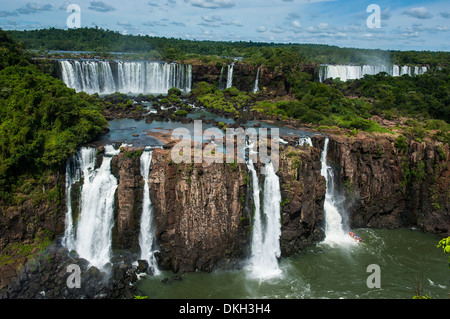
<point>235,23</point>
<point>261,29</point>
<point>211,18</point>
<point>100,6</point>
<point>212,4</point>
<point>419,13</point>
<point>414,34</point>
<point>33,7</point>
<point>124,23</point>
<point>296,24</point>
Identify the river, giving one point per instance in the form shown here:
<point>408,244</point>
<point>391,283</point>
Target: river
<point>324,271</point>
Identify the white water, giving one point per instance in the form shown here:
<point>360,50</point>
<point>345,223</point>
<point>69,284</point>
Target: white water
<point>146,235</point>
<point>352,72</point>
<point>266,230</point>
<point>334,228</point>
<point>230,75</point>
<point>303,141</point>
<point>92,239</point>
<point>256,88</point>
<point>83,161</point>
<point>133,77</point>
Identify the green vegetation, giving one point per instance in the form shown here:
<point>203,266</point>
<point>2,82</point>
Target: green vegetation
<point>42,122</point>
<point>445,245</point>
<point>100,41</point>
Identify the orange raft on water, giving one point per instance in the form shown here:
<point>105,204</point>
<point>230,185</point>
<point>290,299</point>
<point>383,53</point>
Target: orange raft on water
<point>355,237</point>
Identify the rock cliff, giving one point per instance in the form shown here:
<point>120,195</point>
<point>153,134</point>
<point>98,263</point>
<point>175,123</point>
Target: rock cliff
<point>386,187</point>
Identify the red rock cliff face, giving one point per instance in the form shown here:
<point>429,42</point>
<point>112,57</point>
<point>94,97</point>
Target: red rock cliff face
<point>387,188</point>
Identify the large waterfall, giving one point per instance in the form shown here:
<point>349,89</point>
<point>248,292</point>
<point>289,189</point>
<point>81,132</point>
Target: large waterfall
<point>352,72</point>
<point>92,236</point>
<point>266,225</point>
<point>334,228</point>
<point>146,235</point>
<point>135,77</point>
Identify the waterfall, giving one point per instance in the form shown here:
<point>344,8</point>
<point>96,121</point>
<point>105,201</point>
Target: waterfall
<point>221,85</point>
<point>146,236</point>
<point>83,160</point>
<point>230,75</point>
<point>256,88</point>
<point>353,72</point>
<point>93,235</point>
<point>133,77</point>
<point>303,141</point>
<point>334,229</point>
<point>88,76</point>
<point>266,225</point>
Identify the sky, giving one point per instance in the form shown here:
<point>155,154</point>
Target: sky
<point>402,24</point>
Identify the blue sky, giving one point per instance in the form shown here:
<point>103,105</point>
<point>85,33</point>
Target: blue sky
<point>405,25</point>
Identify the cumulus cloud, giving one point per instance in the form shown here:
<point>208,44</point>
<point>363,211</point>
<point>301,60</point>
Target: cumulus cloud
<point>445,15</point>
<point>414,34</point>
<point>124,23</point>
<point>212,4</point>
<point>4,14</point>
<point>235,23</point>
<point>100,6</point>
<point>33,7</point>
<point>211,18</point>
<point>261,29</point>
<point>419,13</point>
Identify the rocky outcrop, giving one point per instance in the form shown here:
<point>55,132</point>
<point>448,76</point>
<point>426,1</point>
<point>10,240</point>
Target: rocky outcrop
<point>26,227</point>
<point>303,193</point>
<point>199,214</point>
<point>128,208</point>
<point>386,187</point>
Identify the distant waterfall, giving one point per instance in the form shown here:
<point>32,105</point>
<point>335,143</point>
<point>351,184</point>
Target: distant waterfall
<point>256,87</point>
<point>221,84</point>
<point>352,72</point>
<point>230,75</point>
<point>266,225</point>
<point>93,236</point>
<point>135,77</point>
<point>146,236</point>
<point>334,229</point>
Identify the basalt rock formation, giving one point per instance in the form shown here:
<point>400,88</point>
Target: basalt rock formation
<point>386,187</point>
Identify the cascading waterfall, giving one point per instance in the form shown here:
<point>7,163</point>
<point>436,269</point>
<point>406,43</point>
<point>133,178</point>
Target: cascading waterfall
<point>303,141</point>
<point>352,72</point>
<point>266,231</point>
<point>221,84</point>
<point>256,87</point>
<point>88,76</point>
<point>93,236</point>
<point>133,77</point>
<point>334,229</point>
<point>146,236</point>
<point>230,75</point>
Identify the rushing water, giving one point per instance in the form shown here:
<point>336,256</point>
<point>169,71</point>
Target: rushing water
<point>324,271</point>
<point>147,232</point>
<point>335,234</point>
<point>263,264</point>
